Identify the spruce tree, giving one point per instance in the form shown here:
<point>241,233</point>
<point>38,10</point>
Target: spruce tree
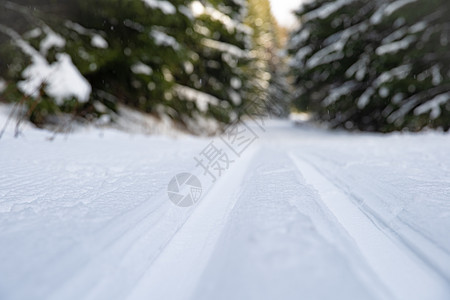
<point>127,50</point>
<point>373,65</point>
<point>218,76</point>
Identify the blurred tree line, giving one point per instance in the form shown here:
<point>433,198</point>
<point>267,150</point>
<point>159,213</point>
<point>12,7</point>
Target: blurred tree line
<point>189,60</point>
<point>377,65</point>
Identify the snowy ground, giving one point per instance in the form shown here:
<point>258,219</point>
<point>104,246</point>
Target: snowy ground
<point>302,214</point>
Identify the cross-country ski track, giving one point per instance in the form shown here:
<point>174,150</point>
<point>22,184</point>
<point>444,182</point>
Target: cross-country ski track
<point>304,213</point>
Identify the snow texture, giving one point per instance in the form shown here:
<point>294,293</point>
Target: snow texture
<point>303,213</point>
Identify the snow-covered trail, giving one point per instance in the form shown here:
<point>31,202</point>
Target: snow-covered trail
<point>304,213</point>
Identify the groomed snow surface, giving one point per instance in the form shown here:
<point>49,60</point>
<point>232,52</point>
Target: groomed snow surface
<point>303,213</point>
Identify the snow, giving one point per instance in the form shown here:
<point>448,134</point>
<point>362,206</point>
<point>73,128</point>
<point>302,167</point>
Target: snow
<point>418,27</point>
<point>231,25</point>
<point>359,68</point>
<point>364,99</point>
<point>299,39</point>
<point>436,75</point>
<point>399,72</point>
<point>235,97</point>
<point>396,5</point>
<point>235,83</point>
<point>433,106</point>
<point>98,41</point>
<point>141,68</point>
<point>51,40</point>
<point>326,10</point>
<point>165,6</point>
<point>386,10</point>
<point>338,92</point>
<point>202,100</point>
<point>334,46</point>
<point>224,47</point>
<point>163,39</point>
<point>303,213</point>
<point>300,56</point>
<point>61,79</point>
<point>395,46</point>
<point>399,33</point>
<point>33,33</point>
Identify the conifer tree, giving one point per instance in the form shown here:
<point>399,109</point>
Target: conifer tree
<point>373,65</point>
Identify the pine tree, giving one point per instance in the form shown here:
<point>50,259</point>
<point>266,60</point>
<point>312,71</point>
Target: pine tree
<point>154,55</point>
<point>218,79</point>
<point>374,65</point>
<point>128,50</point>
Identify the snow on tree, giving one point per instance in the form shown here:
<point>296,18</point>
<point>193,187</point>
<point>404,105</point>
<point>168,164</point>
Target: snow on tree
<point>373,65</point>
<point>218,72</point>
<point>127,51</point>
<point>180,58</point>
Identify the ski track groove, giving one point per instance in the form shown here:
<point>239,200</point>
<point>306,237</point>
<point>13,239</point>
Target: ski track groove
<point>213,209</point>
<point>436,284</point>
<point>141,241</point>
<point>290,205</point>
<point>119,243</point>
<point>114,238</point>
<point>411,237</point>
<point>135,238</point>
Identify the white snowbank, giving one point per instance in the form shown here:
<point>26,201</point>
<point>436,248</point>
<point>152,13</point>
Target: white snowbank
<point>303,214</point>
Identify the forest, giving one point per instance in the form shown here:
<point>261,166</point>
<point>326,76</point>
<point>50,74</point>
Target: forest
<point>355,64</point>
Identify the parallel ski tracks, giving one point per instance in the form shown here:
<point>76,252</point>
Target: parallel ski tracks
<point>152,233</point>
<point>398,264</point>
